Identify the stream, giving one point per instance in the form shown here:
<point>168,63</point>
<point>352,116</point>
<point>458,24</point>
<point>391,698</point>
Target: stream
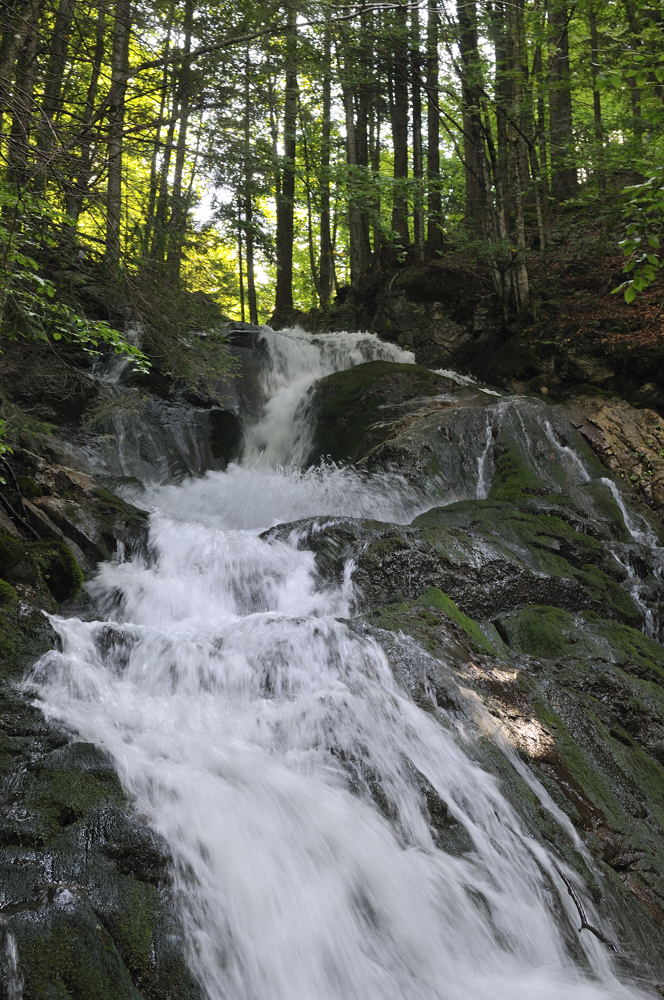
<point>265,736</point>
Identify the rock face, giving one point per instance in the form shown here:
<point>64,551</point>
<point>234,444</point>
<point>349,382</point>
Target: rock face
<point>353,406</point>
<point>529,589</point>
<point>629,441</point>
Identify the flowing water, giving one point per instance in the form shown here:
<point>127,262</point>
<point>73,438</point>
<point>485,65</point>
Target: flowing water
<point>269,742</point>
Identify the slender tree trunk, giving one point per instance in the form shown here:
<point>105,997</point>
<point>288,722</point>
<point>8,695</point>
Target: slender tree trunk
<point>519,128</point>
<point>53,83</point>
<point>283,305</point>
<point>19,22</point>
<point>503,85</point>
<point>178,221</point>
<point>598,124</point>
<point>313,265</point>
<point>434,201</point>
<point>248,196</point>
<point>157,147</point>
<point>240,264</point>
<point>358,225</point>
<point>22,99</point>
<point>326,262</point>
<point>418,164</point>
<point>399,118</point>
<point>563,166</point>
<point>116,112</point>
<point>473,132</point>
<point>77,188</point>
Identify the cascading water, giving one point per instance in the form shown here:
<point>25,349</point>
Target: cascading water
<point>13,981</point>
<point>268,741</point>
<point>294,360</point>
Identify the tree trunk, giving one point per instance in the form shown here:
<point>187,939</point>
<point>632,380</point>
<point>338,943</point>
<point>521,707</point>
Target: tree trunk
<point>416,104</point>
<point>53,80</point>
<point>283,304</point>
<point>178,220</point>
<point>248,197</point>
<point>155,172</point>
<point>399,119</point>
<point>326,262</point>
<point>434,201</point>
<point>358,223</point>
<point>22,99</point>
<point>563,166</point>
<point>473,134</point>
<point>598,124</point>
<point>19,21</point>
<point>77,187</point>
<point>240,264</point>
<point>116,112</point>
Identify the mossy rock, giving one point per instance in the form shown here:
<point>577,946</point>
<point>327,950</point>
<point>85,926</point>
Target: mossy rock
<point>65,787</point>
<point>348,404</point>
<point>435,598</point>
<point>67,954</point>
<point>540,541</point>
<point>13,558</point>
<point>58,568</point>
<point>8,596</point>
<point>553,633</point>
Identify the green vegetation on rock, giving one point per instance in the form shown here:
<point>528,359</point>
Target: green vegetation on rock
<point>347,404</point>
<point>435,598</point>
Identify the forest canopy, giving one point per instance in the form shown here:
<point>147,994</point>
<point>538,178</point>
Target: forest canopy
<point>269,154</point>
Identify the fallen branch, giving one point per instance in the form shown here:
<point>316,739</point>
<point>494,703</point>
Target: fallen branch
<point>582,915</point>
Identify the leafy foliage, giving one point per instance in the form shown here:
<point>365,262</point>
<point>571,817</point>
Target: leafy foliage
<point>644,211</point>
<point>30,304</point>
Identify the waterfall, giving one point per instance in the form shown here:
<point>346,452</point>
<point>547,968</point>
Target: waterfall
<point>13,981</point>
<point>271,745</point>
<point>294,360</point>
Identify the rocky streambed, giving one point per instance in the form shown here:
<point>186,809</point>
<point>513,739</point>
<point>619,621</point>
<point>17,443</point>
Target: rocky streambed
<point>517,598</point>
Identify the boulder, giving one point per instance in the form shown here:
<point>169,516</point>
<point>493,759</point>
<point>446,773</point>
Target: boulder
<point>629,441</point>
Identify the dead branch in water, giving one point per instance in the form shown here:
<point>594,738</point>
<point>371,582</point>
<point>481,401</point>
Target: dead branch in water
<point>582,915</point>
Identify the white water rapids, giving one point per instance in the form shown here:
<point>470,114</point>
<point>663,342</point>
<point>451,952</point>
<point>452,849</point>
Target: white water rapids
<point>271,746</point>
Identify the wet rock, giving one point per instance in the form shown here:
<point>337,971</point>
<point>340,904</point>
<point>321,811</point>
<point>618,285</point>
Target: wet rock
<point>85,885</point>
<point>490,556</point>
<point>69,508</point>
<point>581,700</point>
<point>352,408</point>
<point>629,441</point>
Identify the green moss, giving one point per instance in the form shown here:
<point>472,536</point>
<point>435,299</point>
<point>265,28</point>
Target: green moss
<point>513,478</point>
<point>76,959</point>
<point>58,568</point>
<point>29,487</point>
<point>60,797</point>
<point>539,630</point>
<point>132,924</point>
<point>589,778</point>
<point>608,594</point>
<point>542,541</point>
<point>11,552</point>
<point>8,596</point>
<point>438,599</point>
<point>635,652</point>
<point>117,506</point>
<point>349,402</point>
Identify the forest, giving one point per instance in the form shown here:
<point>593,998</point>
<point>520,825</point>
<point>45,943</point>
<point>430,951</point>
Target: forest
<point>274,154</point>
